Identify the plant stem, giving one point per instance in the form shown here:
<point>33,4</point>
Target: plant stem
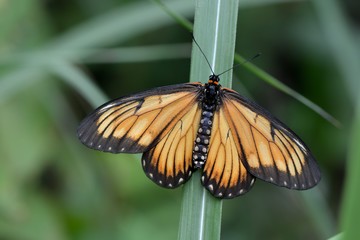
<point>215,32</point>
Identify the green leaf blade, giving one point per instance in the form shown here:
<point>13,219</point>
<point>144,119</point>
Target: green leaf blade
<point>215,31</point>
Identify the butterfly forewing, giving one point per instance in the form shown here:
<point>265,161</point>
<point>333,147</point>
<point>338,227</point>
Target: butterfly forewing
<point>137,123</point>
<point>224,174</point>
<point>271,151</point>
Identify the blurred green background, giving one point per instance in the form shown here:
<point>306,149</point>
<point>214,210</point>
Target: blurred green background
<point>61,59</point>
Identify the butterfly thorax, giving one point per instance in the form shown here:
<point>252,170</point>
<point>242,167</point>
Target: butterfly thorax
<point>209,103</point>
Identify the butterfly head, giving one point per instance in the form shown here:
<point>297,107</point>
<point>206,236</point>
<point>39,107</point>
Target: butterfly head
<point>212,89</point>
<point>214,79</point>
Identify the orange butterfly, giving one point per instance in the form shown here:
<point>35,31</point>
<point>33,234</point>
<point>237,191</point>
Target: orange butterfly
<point>184,127</point>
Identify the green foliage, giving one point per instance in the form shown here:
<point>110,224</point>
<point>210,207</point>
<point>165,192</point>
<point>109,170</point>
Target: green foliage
<point>215,31</point>
<point>61,59</point>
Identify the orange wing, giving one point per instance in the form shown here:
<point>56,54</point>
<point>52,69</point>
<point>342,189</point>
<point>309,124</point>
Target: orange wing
<point>224,174</point>
<point>137,123</point>
<point>169,163</point>
<point>270,150</point>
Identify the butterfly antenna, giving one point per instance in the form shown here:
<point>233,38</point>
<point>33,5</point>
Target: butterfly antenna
<point>239,64</point>
<point>203,54</point>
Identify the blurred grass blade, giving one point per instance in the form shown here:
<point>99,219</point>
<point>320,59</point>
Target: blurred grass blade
<point>109,28</point>
<point>339,236</point>
<point>261,3</point>
<point>80,82</point>
<point>101,55</point>
<point>319,211</point>
<point>177,17</point>
<point>242,4</point>
<point>343,44</point>
<point>116,26</point>
<point>346,54</point>
<point>15,81</point>
<point>350,214</point>
<point>140,53</point>
<point>282,87</point>
<point>215,31</point>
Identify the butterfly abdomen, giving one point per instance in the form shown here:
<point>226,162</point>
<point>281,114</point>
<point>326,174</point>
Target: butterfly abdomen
<point>202,140</point>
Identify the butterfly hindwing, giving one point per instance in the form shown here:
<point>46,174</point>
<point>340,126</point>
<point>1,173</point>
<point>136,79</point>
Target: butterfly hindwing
<point>271,151</point>
<point>169,163</point>
<point>224,174</point>
<point>137,123</point>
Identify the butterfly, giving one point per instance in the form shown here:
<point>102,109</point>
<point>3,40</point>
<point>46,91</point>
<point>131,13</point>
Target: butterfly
<point>185,127</point>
